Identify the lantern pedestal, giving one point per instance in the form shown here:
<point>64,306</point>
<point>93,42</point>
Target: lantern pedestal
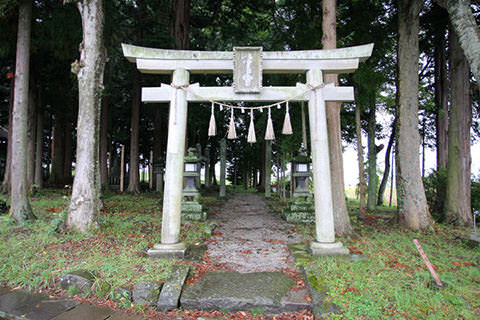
<point>300,210</point>
<point>475,236</point>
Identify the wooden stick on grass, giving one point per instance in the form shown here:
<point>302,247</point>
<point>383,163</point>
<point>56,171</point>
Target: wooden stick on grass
<point>427,262</point>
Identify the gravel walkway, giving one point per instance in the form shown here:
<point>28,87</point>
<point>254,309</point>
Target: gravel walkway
<point>249,238</point>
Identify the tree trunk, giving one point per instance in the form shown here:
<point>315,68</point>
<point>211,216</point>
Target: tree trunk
<point>104,147</point>
<point>85,203</point>
<point>386,172</point>
<point>372,159</point>
<point>181,23</point>
<point>329,41</point>
<point>157,141</point>
<point>412,203</point>
<point>441,103</point>
<point>361,168</point>
<point>68,157</point>
<point>457,202</point>
<point>6,183</point>
<point>38,180</point>
<point>19,206</point>
<point>466,28</point>
<point>58,159</point>
<point>133,179</point>
<point>31,132</point>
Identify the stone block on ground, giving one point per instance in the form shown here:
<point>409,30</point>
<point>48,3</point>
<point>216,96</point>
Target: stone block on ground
<point>234,291</point>
<point>146,293</point>
<point>172,288</point>
<point>296,300</point>
<point>86,311</point>
<point>81,279</point>
<point>318,293</point>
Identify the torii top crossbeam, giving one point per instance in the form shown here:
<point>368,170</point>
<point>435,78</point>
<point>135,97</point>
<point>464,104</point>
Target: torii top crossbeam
<point>342,60</point>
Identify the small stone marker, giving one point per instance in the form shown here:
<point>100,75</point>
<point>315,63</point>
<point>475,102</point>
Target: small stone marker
<point>172,288</point>
<point>146,293</point>
<point>82,279</point>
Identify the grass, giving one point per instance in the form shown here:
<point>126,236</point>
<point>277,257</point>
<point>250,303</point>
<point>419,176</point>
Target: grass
<point>34,255</point>
<point>393,282</point>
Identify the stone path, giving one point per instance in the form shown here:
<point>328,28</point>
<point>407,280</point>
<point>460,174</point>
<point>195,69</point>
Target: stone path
<point>250,239</point>
<point>20,304</point>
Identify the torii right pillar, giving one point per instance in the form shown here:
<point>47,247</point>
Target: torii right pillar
<point>324,244</point>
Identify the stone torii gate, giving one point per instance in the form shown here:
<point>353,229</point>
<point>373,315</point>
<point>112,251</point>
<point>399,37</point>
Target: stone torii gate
<point>247,65</point>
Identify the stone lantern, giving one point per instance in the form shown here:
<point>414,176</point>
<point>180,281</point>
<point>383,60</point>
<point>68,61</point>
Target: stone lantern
<point>190,173</point>
<point>301,173</point>
<point>301,208</point>
<point>191,208</point>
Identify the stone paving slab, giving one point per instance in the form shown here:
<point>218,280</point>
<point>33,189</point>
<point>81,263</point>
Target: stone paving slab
<point>86,311</point>
<point>234,291</point>
<point>124,316</point>
<point>49,309</point>
<point>32,306</point>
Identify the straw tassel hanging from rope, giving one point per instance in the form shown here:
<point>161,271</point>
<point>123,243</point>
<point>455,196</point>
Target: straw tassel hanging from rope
<point>269,133</point>
<point>287,126</point>
<point>251,130</point>
<point>212,128</point>
<point>232,133</point>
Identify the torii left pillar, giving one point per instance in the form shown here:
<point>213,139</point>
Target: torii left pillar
<point>170,245</point>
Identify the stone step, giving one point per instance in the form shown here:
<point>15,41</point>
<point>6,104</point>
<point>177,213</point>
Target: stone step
<point>269,292</point>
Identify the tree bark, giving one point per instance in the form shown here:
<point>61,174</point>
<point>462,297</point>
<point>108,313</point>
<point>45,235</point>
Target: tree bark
<point>181,23</point>
<point>361,168</point>
<point>104,147</point>
<point>386,172</point>
<point>457,202</point>
<point>31,132</point>
<point>372,158</point>
<point>20,205</point>
<point>441,103</point>
<point>38,180</point>
<point>133,178</point>
<point>85,203</point>
<point>157,141</point>
<point>329,41</point>
<point>68,157</point>
<point>6,183</point>
<point>412,203</point>
<point>58,144</point>
<point>466,28</point>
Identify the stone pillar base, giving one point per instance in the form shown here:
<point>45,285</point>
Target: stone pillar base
<point>475,236</point>
<point>168,251</point>
<point>328,249</point>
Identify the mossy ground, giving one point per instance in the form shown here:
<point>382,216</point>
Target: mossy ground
<point>392,283</point>
<point>35,255</point>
